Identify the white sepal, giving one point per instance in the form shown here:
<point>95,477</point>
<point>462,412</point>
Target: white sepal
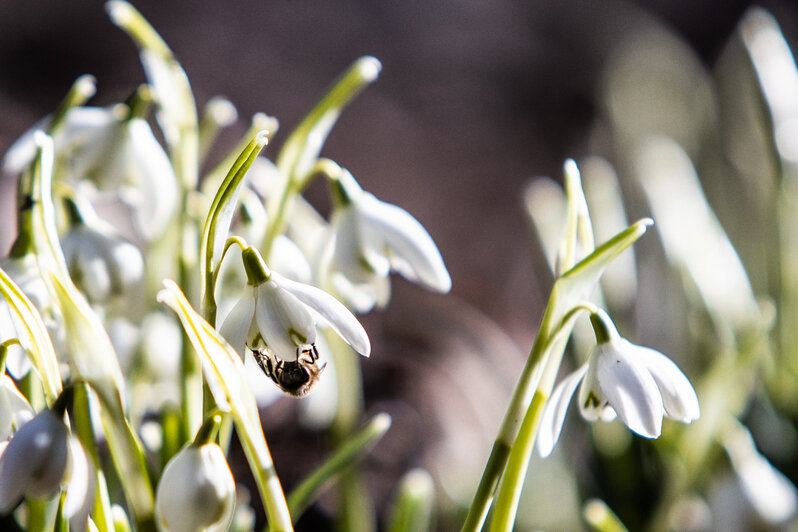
<point>332,311</point>
<point>554,413</point>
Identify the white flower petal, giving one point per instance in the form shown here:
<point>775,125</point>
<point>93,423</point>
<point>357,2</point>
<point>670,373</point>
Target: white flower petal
<point>153,175</point>
<point>333,311</point>
<point>235,326</point>
<point>15,410</point>
<point>554,413</point>
<point>283,320</point>
<point>348,257</point>
<point>678,395</point>
<point>592,402</point>
<point>630,390</point>
<point>34,462</point>
<point>80,487</point>
<point>385,224</point>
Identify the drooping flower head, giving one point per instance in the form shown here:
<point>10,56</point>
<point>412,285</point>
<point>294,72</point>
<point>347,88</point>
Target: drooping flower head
<point>637,384</point>
<point>370,238</point>
<point>278,318</point>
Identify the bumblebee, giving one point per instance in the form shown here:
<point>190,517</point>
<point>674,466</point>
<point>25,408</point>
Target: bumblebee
<point>294,377</point>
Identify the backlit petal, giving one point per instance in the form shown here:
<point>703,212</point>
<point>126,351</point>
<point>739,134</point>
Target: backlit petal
<point>630,389</point>
<point>417,256</point>
<point>332,311</point>
<point>236,325</point>
<point>678,395</point>
<point>283,320</point>
<point>554,413</point>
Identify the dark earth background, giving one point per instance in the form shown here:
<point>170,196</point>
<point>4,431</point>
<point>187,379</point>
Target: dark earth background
<point>474,99</point>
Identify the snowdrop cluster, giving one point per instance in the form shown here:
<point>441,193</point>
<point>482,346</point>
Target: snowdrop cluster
<point>83,327</point>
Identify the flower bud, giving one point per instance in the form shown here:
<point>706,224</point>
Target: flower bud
<point>35,461</point>
<point>196,491</point>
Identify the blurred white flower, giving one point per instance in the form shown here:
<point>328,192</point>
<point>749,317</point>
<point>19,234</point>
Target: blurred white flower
<point>15,410</point>
<point>772,495</point>
<point>196,491</point>
<point>368,239</point>
<point>35,462</point>
<point>638,384</point>
<point>102,263</point>
<point>116,152</point>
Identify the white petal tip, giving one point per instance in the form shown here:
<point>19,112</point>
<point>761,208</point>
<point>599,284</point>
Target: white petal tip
<point>86,85</point>
<point>369,68</point>
<point>262,137</point>
<point>119,11</point>
<point>223,111</point>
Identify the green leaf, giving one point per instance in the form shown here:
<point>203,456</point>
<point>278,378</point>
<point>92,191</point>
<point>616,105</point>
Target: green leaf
<point>414,503</point>
<point>34,337</point>
<point>346,454</point>
<point>217,223</point>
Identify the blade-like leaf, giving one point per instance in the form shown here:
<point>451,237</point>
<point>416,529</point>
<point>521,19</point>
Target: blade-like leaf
<point>224,372</point>
<point>34,337</point>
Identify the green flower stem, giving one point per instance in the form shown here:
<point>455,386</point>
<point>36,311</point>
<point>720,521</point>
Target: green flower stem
<point>61,523</point>
<point>414,504</point>
<point>304,143</point>
<point>345,455</point>
<point>84,428</point>
<point>218,220</point>
<point>568,291</point>
<point>356,510</point>
<point>218,113</point>
<point>600,518</point>
<point>505,443</point>
<point>269,486</point>
<point>208,431</point>
<point>512,482</point>
<point>37,516</point>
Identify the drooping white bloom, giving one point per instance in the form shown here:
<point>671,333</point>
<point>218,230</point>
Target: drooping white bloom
<point>638,384</point>
<point>115,152</point>
<point>15,410</point>
<point>35,461</point>
<point>283,315</point>
<point>368,239</point>
<point>196,491</point>
<point>102,263</point>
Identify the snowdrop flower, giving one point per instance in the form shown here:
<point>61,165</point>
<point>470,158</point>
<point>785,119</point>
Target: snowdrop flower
<point>638,384</point>
<point>196,491</point>
<point>103,263</point>
<point>370,238</point>
<point>277,319</point>
<point>15,410</point>
<point>116,151</point>
<point>35,462</point>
